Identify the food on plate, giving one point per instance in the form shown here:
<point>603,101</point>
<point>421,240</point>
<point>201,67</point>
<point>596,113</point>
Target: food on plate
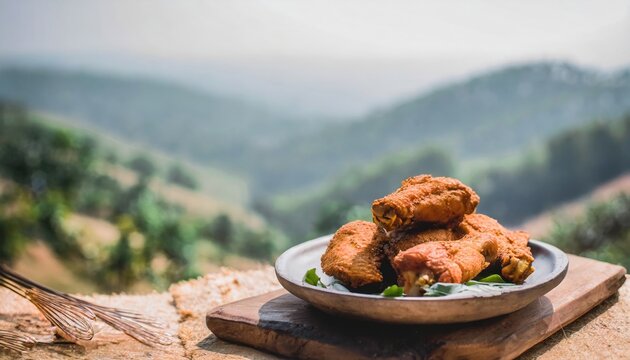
<point>444,261</point>
<point>424,199</point>
<point>514,255</point>
<point>402,240</point>
<point>355,253</point>
<point>426,240</point>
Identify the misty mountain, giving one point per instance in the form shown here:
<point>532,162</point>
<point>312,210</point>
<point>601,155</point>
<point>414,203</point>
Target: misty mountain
<point>492,114</point>
<point>179,120</point>
<point>533,182</point>
<point>303,86</point>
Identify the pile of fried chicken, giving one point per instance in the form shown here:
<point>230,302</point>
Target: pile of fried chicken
<point>427,231</point>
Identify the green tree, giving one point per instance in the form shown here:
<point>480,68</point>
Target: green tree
<point>331,216</point>
<point>222,230</point>
<point>51,211</point>
<point>17,216</point>
<point>99,195</point>
<point>120,264</point>
<point>178,241</point>
<point>257,245</point>
<point>143,166</point>
<point>179,176</point>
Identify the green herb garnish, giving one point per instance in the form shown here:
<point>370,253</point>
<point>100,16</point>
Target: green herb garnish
<point>491,280</point>
<point>312,278</point>
<point>393,291</point>
<point>489,285</point>
<point>494,278</point>
<point>443,289</point>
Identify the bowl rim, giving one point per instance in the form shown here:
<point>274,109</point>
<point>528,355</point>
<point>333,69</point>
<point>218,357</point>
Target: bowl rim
<point>560,266</point>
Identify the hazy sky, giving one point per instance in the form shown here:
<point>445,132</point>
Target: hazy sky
<point>446,38</point>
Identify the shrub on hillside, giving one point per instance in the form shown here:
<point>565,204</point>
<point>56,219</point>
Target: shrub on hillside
<point>179,176</point>
<point>603,232</point>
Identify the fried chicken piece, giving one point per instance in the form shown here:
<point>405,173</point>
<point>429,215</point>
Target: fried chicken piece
<point>444,261</point>
<point>405,239</point>
<point>514,256</point>
<point>355,253</point>
<point>424,199</point>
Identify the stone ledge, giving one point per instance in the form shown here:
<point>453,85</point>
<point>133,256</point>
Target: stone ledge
<point>602,333</point>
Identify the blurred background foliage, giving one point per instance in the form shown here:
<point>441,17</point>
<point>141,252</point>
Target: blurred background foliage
<point>49,173</point>
<point>125,184</point>
<point>603,232</point>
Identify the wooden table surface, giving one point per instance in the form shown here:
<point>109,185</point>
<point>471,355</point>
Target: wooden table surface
<point>603,333</point>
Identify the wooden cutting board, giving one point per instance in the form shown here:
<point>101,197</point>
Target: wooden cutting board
<point>280,323</point>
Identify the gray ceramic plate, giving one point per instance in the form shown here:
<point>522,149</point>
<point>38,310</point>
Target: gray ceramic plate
<point>551,266</point>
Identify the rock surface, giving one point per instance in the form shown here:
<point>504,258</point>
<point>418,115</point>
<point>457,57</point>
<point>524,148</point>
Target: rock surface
<point>18,314</point>
<point>602,333</point>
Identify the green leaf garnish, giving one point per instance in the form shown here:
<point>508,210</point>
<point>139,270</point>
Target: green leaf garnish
<point>494,278</point>
<point>443,289</point>
<point>491,284</point>
<point>393,291</point>
<point>487,286</point>
<point>312,278</point>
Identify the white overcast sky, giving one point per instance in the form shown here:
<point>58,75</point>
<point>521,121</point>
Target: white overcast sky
<point>478,33</point>
<point>596,32</point>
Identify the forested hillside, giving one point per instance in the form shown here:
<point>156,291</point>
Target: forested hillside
<point>573,163</point>
<point>350,194</point>
<point>492,114</point>
<point>51,178</point>
<point>309,181</point>
<point>567,166</point>
<point>178,120</point>
<point>489,115</point>
<point>602,233</point>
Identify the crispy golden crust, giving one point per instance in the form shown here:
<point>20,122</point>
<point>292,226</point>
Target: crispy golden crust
<point>514,255</point>
<point>403,240</point>
<point>425,199</point>
<point>354,254</point>
<point>444,261</point>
